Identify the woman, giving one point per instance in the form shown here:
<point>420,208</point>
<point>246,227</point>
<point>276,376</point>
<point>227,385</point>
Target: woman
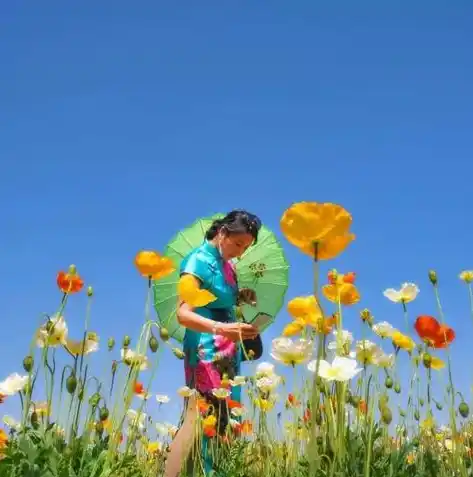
<point>212,340</point>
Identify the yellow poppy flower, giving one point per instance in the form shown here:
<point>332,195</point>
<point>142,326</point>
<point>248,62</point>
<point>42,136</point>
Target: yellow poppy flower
<point>305,312</point>
<point>348,293</point>
<point>152,265</point>
<point>189,291</point>
<point>437,363</point>
<point>402,341</point>
<point>305,224</point>
<point>265,404</point>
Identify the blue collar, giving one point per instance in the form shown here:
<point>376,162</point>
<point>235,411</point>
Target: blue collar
<point>211,249</point>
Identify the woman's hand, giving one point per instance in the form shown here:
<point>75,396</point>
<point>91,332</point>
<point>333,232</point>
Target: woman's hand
<point>248,296</point>
<point>238,331</point>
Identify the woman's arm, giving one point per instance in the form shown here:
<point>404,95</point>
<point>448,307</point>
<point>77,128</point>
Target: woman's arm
<point>188,318</point>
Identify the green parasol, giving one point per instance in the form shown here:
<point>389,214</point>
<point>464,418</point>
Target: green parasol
<point>263,267</point>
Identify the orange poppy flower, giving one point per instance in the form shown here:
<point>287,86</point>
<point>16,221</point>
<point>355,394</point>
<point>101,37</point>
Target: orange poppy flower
<point>152,265</point>
<point>312,226</point>
<point>203,406</point>
<point>363,407</point>
<point>341,287</point>
<point>139,388</point>
<point>433,333</point>
<point>245,428</point>
<point>233,404</point>
<point>70,282</point>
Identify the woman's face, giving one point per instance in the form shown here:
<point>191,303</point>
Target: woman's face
<point>234,245</point>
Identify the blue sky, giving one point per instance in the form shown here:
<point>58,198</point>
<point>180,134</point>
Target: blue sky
<point>121,123</point>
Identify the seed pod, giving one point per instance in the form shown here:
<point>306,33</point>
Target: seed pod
<point>388,382</point>
<point>463,409</point>
<point>28,363</point>
<point>386,415</point>
<point>153,344</point>
<point>397,388</point>
<point>164,334</point>
<point>71,383</point>
<point>104,413</point>
<point>126,341</point>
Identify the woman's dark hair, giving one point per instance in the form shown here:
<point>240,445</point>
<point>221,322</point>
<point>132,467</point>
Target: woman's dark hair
<point>236,222</point>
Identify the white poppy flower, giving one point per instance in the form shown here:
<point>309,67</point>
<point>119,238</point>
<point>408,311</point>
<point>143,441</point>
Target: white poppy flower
<point>221,393</point>
<point>53,333</point>
<point>341,369</point>
<point>384,329</point>
<point>290,352</point>
<point>162,398</point>
<point>264,369</point>
<point>267,384</point>
<point>185,392</point>
<point>384,360</point>
<point>407,293</point>
<point>135,419</point>
<point>13,384</point>
<point>238,381</point>
<point>131,358</point>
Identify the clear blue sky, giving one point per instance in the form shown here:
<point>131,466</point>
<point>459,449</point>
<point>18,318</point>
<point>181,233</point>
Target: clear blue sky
<point>121,123</point>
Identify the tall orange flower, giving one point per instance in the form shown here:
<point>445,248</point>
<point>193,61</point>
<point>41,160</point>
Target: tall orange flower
<point>312,226</point>
<point>306,311</point>
<point>341,287</point>
<point>152,265</point>
<point>69,282</point>
<point>433,333</point>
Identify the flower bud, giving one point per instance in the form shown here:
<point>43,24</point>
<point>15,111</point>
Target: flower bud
<point>111,343</point>
<point>355,401</point>
<point>386,415</point>
<point>416,415</point>
<point>90,291</point>
<point>104,413</point>
<point>388,382</point>
<point>153,344</point>
<point>438,406</point>
<point>383,401</point>
<point>114,366</point>
<point>421,402</point>
<point>463,409</point>
<point>397,388</point>
<point>72,270</point>
<point>402,413</point>
<point>164,334</point>
<point>99,427</point>
<point>34,420</point>
<point>178,353</point>
<point>71,383</point>
<point>94,400</point>
<point>28,363</point>
<point>433,277</point>
<point>366,316</point>
<point>126,341</point>
<point>332,276</point>
<point>427,360</point>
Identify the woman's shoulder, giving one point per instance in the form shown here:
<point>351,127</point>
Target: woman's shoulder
<point>199,262</point>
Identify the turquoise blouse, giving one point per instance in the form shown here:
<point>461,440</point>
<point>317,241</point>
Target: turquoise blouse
<point>206,263</point>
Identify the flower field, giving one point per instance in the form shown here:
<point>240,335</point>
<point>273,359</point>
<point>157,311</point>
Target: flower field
<point>353,406</point>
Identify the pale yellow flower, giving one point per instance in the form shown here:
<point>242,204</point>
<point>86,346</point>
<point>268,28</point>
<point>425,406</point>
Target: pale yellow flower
<point>467,276</point>
<point>290,352</point>
<point>407,293</point>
